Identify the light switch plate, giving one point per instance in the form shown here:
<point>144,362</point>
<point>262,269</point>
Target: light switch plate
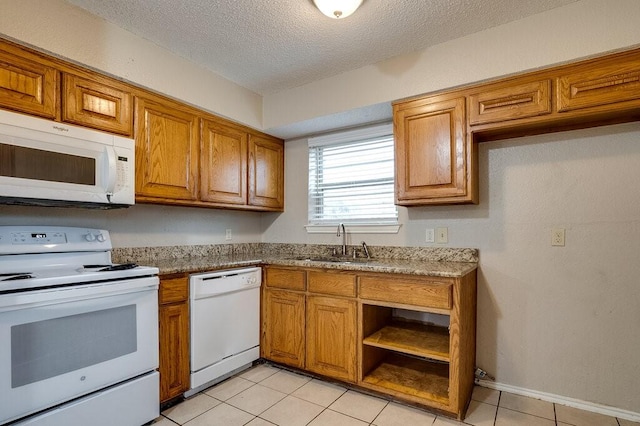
<point>442,235</point>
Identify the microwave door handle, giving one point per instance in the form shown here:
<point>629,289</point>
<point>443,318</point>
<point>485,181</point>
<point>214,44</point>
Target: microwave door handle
<point>112,171</point>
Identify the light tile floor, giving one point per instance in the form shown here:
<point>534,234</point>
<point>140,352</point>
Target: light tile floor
<point>266,395</point>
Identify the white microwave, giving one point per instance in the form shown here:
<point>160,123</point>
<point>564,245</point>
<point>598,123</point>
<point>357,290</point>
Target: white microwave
<point>48,163</point>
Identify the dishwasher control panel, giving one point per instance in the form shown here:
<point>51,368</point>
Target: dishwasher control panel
<point>209,284</point>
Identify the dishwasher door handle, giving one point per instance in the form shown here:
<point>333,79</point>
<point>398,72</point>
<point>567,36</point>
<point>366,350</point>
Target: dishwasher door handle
<point>199,293</point>
<point>217,277</point>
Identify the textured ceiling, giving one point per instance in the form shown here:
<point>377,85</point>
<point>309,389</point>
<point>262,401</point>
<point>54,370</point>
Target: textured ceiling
<point>271,45</point>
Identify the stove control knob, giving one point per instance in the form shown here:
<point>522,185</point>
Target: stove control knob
<point>90,237</point>
<point>100,237</point>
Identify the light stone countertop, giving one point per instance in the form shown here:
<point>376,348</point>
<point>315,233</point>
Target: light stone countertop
<point>396,266</point>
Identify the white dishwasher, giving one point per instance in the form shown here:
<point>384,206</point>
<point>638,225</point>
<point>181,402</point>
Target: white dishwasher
<point>225,324</point>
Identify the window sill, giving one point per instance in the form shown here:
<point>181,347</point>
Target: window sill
<point>354,229</point>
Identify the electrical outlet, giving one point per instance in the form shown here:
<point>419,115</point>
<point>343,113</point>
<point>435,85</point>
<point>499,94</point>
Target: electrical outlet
<point>228,235</point>
<point>557,237</point>
<point>442,235</point>
<point>430,236</point>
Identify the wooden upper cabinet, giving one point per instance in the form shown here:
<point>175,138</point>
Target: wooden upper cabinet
<point>602,83</point>
<point>223,164</point>
<point>166,151</point>
<point>27,85</point>
<point>433,155</point>
<point>96,104</point>
<point>266,172</point>
<point>510,102</point>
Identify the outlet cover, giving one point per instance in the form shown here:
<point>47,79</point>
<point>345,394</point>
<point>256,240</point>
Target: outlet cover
<point>228,235</point>
<point>557,237</point>
<point>442,235</point>
<point>430,236</point>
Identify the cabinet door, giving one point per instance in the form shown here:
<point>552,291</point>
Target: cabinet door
<point>331,337</point>
<point>223,164</point>
<point>96,104</point>
<point>283,327</point>
<point>432,152</point>
<point>510,102</point>
<point>174,350</point>
<point>166,151</point>
<point>28,86</point>
<point>266,172</point>
<point>603,83</point>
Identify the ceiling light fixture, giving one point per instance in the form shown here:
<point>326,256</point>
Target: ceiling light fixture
<point>337,9</point>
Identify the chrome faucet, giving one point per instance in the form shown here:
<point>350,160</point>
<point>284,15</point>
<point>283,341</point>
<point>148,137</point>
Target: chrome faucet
<point>344,238</point>
<point>366,249</point>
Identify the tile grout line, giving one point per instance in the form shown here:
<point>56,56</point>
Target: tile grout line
<point>495,418</point>
<point>378,415</point>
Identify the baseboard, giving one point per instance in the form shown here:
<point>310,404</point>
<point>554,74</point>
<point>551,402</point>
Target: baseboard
<point>563,400</point>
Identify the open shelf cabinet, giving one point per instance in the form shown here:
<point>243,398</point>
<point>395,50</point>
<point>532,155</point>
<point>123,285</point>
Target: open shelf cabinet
<point>416,378</point>
<point>423,353</point>
<point>422,340</point>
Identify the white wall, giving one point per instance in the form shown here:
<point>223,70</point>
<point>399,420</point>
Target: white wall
<point>146,225</point>
<point>561,320</point>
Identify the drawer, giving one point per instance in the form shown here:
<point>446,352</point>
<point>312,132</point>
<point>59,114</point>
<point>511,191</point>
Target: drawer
<point>422,292</point>
<point>337,284</point>
<point>510,103</point>
<point>292,279</point>
<point>173,289</point>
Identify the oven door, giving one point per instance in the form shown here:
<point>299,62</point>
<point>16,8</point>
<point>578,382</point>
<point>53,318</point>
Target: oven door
<point>63,343</point>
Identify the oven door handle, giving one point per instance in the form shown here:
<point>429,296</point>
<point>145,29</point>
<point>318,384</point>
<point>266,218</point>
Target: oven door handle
<point>45,297</point>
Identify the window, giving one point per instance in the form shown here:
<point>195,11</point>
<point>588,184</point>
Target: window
<point>351,178</point>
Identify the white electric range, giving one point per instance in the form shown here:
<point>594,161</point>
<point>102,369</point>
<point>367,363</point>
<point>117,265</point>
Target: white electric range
<point>78,335</point>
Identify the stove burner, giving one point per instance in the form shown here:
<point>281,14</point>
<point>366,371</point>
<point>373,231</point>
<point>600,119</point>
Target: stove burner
<point>107,267</point>
<point>11,277</point>
<point>121,267</point>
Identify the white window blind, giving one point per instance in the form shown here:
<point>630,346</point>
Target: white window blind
<point>351,178</point>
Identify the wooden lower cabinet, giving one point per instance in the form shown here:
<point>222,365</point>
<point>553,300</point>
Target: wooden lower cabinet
<point>407,336</point>
<point>428,361</point>
<point>174,336</point>
<point>331,337</point>
<point>283,334</point>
